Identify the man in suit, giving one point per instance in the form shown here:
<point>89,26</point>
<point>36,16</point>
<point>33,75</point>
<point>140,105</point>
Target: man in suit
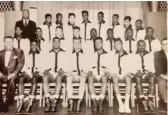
<point>28,26</point>
<point>11,61</point>
<point>160,58</point>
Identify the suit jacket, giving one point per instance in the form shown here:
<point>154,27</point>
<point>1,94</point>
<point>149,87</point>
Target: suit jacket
<point>16,62</point>
<point>29,31</point>
<point>160,62</point>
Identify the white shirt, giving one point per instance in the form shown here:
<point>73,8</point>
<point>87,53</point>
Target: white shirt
<point>68,33</point>
<point>140,34</point>
<point>155,45</point>
<point>130,46</point>
<point>7,57</point>
<point>118,31</point>
<point>108,45</point>
<point>88,46</point>
<point>89,26</point>
<point>143,63</point>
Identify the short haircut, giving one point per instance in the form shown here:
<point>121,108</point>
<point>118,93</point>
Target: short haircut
<point>93,29</point>
<point>8,37</point>
<point>99,38</point>
<point>59,27</point>
<point>26,10</point>
<point>128,18</point>
<point>149,28</point>
<point>38,28</point>
<point>76,28</point>
<point>48,15</point>
<point>139,20</point>
<point>85,11</point>
<point>116,15</point>
<point>34,41</point>
<point>118,40</point>
<point>56,38</point>
<point>101,13</point>
<point>18,27</point>
<point>71,14</point>
<point>58,14</point>
<point>163,39</point>
<point>140,41</point>
<point>129,29</point>
<point>110,29</point>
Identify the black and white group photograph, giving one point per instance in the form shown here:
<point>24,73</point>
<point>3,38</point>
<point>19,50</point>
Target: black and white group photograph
<point>83,57</point>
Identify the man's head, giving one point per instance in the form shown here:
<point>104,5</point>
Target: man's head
<point>129,33</point>
<point>85,15</point>
<point>34,45</point>
<point>164,42</point>
<point>141,46</point>
<point>110,33</point>
<point>25,14</point>
<point>38,32</point>
<point>58,31</point>
<point>77,44</point>
<point>138,23</point>
<point>100,16</point>
<point>71,18</point>
<point>76,31</point>
<point>118,44</point>
<point>99,43</point>
<point>18,31</point>
<point>93,33</point>
<point>48,18</point>
<point>8,43</point>
<point>56,43</point>
<point>115,18</point>
<point>149,31</point>
<point>127,20</point>
<point>59,17</point>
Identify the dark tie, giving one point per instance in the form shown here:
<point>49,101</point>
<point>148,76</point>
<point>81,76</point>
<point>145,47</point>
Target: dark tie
<point>33,54</point>
<point>142,62</point>
<point>111,45</point>
<point>150,47</point>
<point>56,61</point>
<point>18,44</point>
<point>49,33</point>
<point>77,61</point>
<point>26,23</point>
<point>99,29</point>
<point>98,64</point>
<point>119,59</point>
<point>136,33</point>
<point>85,30</point>
<point>130,47</point>
<point>40,45</point>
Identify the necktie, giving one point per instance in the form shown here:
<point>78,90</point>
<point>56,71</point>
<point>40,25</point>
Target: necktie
<point>99,29</point>
<point>111,45</point>
<point>136,33</point>
<point>26,23</point>
<point>85,30</point>
<point>40,45</point>
<point>143,66</point>
<point>33,62</point>
<point>56,61</point>
<point>130,47</point>
<point>98,64</point>
<point>18,44</point>
<point>49,33</point>
<point>77,61</point>
<point>150,47</point>
<point>119,59</point>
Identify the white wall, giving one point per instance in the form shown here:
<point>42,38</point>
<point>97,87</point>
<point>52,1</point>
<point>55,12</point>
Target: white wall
<point>2,28</point>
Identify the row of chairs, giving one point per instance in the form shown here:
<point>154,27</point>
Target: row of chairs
<point>109,95</point>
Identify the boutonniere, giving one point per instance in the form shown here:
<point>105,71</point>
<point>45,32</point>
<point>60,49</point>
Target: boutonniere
<point>15,57</point>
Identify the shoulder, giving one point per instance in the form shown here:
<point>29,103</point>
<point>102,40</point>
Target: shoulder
<point>158,53</point>
<point>32,22</point>
<point>20,21</point>
<point>18,51</point>
<point>1,51</point>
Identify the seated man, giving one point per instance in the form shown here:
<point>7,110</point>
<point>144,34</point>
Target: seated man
<point>77,73</point>
<point>120,72</point>
<point>144,72</point>
<point>56,65</point>
<point>31,73</point>
<point>11,61</point>
<point>97,74</point>
<point>160,58</point>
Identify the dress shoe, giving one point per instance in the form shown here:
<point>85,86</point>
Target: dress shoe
<point>94,106</point>
<point>70,106</point>
<point>29,106</point>
<point>54,105</point>
<point>47,105</point>
<point>101,110</point>
<point>20,107</point>
<point>78,106</point>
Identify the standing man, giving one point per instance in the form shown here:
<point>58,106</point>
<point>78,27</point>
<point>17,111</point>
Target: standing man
<point>161,72</point>
<point>11,61</point>
<point>97,74</point>
<point>152,44</point>
<point>59,21</point>
<point>140,31</point>
<point>77,73</point>
<point>55,73</point>
<point>28,26</point>
<point>127,23</point>
<point>144,72</point>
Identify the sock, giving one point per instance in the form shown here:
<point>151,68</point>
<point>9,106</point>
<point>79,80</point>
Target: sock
<point>119,99</point>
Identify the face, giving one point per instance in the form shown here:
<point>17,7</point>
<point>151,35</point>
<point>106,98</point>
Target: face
<point>114,19</point>
<point>48,19</point>
<point>76,33</point>
<point>129,34</point>
<point>34,46</point>
<point>110,33</point>
<point>164,45</point>
<point>85,16</point>
<point>18,31</point>
<point>25,14</point>
<point>59,18</point>
<point>149,32</point>
<point>77,44</point>
<point>39,32</point>
<point>100,17</point>
<point>72,19</point>
<point>93,33</point>
<point>118,45</point>
<point>141,46</point>
<point>56,43</point>
<point>99,44</point>
<point>58,32</point>
<point>126,23</point>
<point>138,24</point>
<point>8,43</point>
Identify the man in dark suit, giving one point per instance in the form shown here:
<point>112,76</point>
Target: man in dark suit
<point>28,26</point>
<point>160,58</point>
<point>11,61</point>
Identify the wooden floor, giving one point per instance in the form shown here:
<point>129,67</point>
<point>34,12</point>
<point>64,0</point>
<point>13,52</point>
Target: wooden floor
<point>85,111</point>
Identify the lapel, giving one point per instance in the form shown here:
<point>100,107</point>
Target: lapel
<point>11,57</point>
<point>164,58</point>
<point>3,58</point>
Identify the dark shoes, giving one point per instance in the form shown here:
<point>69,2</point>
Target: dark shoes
<point>147,105</point>
<point>20,107</point>
<point>28,109</point>
<point>54,105</point>
<point>47,105</point>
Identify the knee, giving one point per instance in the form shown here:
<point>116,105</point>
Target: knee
<point>152,80</point>
<point>115,80</point>
<point>138,80</point>
<point>45,79</point>
<point>34,80</point>
<point>128,79</point>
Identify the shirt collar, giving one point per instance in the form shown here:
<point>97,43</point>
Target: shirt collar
<point>41,39</point>
<point>130,26</point>
<point>60,23</point>
<point>71,24</point>
<point>145,52</point>
<point>132,39</point>
<point>124,53</point>
<point>88,21</point>
<point>109,39</point>
<point>102,22</point>
<point>77,38</point>
<point>81,51</point>
<point>104,52</point>
<point>147,38</point>
<point>58,51</point>
<point>115,24</point>
<point>20,39</point>
<point>48,24</point>
<point>140,28</point>
<point>31,52</point>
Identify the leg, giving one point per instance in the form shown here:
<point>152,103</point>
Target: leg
<point>162,84</point>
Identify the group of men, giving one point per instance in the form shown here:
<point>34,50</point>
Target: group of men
<point>59,52</point>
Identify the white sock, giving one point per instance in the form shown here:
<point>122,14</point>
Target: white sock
<point>119,100</point>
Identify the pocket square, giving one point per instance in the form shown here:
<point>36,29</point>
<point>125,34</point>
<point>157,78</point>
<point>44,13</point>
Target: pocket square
<point>15,57</point>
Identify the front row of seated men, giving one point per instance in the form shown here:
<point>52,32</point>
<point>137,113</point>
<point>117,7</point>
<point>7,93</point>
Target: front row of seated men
<point>77,66</point>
